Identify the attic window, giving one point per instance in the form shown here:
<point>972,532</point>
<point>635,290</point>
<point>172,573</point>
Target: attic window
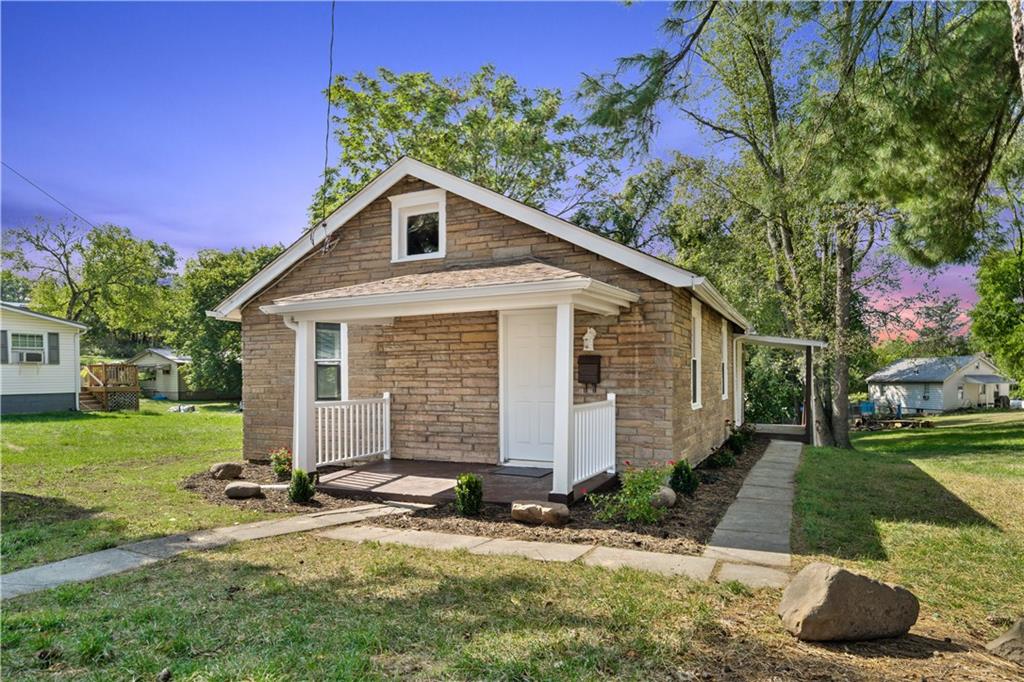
<point>418,225</point>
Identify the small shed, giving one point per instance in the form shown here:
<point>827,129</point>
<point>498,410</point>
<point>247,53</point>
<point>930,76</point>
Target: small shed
<point>938,384</point>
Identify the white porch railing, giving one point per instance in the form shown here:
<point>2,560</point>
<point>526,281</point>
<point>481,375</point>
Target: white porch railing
<point>593,450</point>
<point>348,430</point>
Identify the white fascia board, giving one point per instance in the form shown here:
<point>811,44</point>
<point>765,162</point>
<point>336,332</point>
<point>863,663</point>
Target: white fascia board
<point>781,341</point>
<point>709,294</point>
<point>229,308</point>
<point>42,316</point>
<point>490,297</point>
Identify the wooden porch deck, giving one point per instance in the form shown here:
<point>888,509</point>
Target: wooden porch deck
<point>407,480</point>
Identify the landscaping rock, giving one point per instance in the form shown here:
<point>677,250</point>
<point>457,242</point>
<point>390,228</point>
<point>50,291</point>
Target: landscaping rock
<point>827,603</point>
<point>665,497</point>
<point>1010,645</point>
<point>240,490</point>
<point>540,513</point>
<point>224,471</point>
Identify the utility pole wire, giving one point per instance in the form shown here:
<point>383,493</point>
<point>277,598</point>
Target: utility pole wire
<point>73,211</point>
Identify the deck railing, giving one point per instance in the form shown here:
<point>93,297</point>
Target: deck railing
<point>110,375</point>
<point>348,430</point>
<point>593,439</point>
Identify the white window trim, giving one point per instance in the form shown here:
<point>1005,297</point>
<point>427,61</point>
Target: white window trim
<point>725,359</point>
<point>341,361</point>
<point>45,350</point>
<point>696,353</point>
<point>427,201</point>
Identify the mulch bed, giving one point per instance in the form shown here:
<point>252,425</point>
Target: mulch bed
<point>212,490</point>
<point>685,529</point>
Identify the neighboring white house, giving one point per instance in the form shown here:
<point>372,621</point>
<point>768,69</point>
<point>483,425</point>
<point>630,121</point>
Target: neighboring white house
<point>926,385</point>
<point>39,361</point>
<point>160,374</point>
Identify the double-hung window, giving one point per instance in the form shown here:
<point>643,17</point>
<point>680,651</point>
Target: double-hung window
<point>27,348</point>
<point>418,227</point>
<point>725,359</point>
<point>331,361</point>
<point>695,353</point>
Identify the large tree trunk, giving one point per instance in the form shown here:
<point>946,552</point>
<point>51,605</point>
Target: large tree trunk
<point>1017,22</point>
<point>841,341</point>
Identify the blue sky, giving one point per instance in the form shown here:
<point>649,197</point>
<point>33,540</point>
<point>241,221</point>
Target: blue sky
<point>201,124</point>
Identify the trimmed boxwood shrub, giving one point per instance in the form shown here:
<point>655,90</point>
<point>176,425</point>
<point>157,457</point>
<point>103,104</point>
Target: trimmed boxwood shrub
<point>720,458</point>
<point>683,479</point>
<point>301,488</point>
<point>469,494</point>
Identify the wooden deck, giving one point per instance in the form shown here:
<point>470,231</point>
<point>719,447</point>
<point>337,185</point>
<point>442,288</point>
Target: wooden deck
<point>406,480</point>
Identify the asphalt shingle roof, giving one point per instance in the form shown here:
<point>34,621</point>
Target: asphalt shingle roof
<point>920,370</point>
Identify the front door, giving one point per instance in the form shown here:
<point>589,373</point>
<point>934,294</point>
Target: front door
<point>528,344</point>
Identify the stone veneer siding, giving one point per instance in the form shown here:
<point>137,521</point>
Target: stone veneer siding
<point>442,370</point>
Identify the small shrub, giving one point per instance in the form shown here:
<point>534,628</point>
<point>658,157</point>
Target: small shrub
<point>683,479</point>
<point>469,494</point>
<point>281,462</point>
<point>720,458</point>
<point>632,503</point>
<point>301,488</point>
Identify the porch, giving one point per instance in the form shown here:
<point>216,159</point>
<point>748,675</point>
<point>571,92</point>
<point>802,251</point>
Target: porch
<point>477,370</point>
<point>405,480</point>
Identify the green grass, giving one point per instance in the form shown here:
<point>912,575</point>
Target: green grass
<point>75,483</point>
<point>303,607</point>
<point>940,511</point>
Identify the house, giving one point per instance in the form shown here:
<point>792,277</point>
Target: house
<point>433,321</point>
<point>39,361</point>
<point>931,385</point>
<point>160,374</point>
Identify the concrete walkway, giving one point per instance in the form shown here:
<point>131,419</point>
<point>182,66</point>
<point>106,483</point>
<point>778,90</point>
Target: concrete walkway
<point>750,544</point>
<point>752,538</point>
<point>137,554</point>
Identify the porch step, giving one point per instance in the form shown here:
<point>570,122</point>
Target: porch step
<point>87,402</point>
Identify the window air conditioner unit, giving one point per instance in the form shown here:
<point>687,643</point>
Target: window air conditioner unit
<point>31,357</point>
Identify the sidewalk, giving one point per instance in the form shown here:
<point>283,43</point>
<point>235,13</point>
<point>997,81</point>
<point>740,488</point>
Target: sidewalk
<point>137,554</point>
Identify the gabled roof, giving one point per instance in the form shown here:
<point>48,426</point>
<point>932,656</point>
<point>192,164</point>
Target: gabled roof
<point>230,308</point>
<point>165,353</point>
<point>921,370</point>
<point>21,308</point>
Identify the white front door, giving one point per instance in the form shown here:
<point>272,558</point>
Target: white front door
<point>528,342</point>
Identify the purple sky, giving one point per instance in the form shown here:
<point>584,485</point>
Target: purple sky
<point>201,124</point>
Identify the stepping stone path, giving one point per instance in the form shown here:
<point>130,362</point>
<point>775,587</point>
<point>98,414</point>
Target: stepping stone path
<point>137,554</point>
<point>752,539</point>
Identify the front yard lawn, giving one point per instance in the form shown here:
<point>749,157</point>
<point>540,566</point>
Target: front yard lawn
<point>303,607</point>
<point>940,511</point>
<point>76,483</point>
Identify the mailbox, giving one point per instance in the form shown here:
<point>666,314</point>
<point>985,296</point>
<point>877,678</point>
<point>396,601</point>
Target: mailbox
<point>589,370</point>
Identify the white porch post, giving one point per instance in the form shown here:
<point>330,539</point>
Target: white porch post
<point>562,475</point>
<point>303,428</point>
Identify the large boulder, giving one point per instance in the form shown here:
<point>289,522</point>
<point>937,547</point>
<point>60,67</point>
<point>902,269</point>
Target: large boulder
<point>224,471</point>
<point>1010,645</point>
<point>240,490</point>
<point>826,603</point>
<point>540,513</point>
<point>665,497</point>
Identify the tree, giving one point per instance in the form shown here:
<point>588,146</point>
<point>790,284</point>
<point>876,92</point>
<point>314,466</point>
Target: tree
<point>998,316</point>
<point>215,346</point>
<point>806,105</point>
<point>485,128</point>
<point>105,276</point>
<point>1017,21</point>
<point>941,329</point>
<point>13,287</point>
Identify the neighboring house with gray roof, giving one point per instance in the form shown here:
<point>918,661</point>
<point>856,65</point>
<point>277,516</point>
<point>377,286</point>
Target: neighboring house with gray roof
<point>161,373</point>
<point>927,385</point>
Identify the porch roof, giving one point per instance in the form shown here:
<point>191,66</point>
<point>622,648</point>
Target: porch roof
<point>986,379</point>
<point>493,287</point>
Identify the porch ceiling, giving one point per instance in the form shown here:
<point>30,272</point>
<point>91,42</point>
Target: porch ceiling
<point>497,287</point>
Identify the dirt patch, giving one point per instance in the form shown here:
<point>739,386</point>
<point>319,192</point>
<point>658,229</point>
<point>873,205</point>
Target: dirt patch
<point>685,529</point>
<point>212,490</point>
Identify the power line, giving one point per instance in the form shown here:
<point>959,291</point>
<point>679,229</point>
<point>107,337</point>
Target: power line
<point>73,211</point>
<point>327,131</point>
